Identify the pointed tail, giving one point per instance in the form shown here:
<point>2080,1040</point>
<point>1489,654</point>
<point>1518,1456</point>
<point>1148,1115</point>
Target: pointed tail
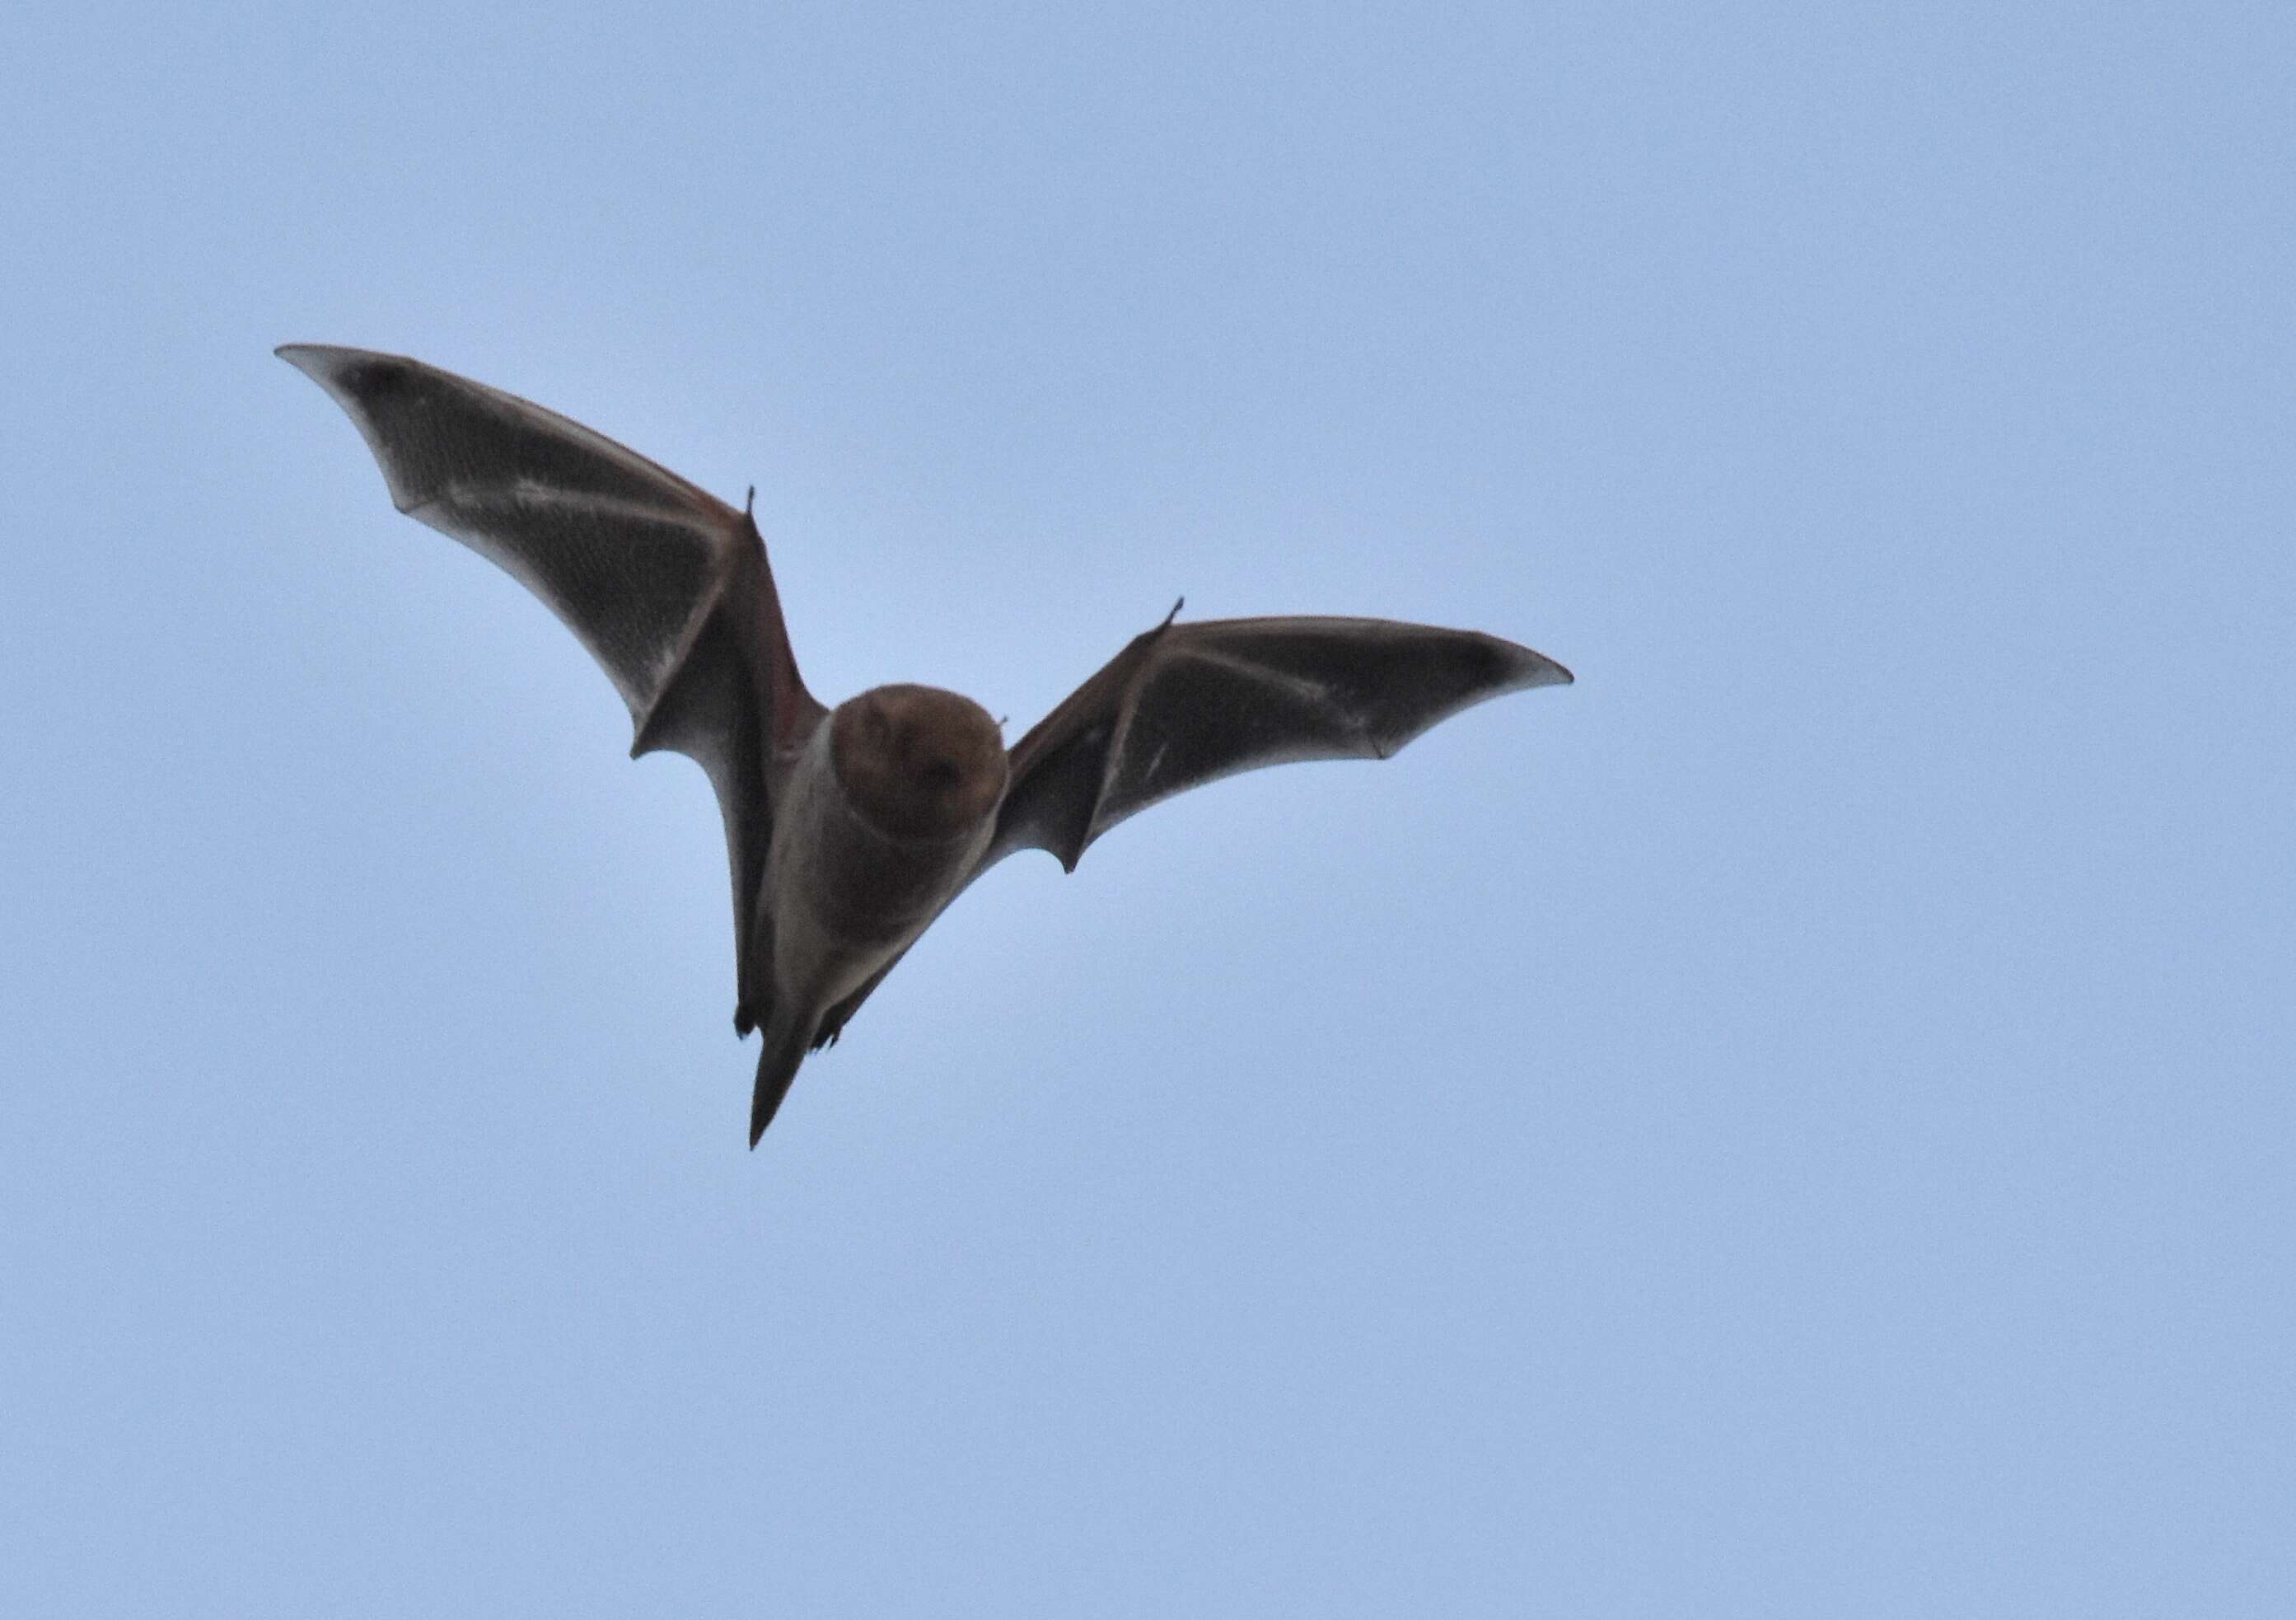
<point>787,1038</point>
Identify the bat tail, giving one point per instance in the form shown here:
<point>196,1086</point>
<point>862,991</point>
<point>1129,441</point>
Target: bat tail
<point>788,1038</point>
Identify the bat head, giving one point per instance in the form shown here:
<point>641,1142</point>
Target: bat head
<point>919,762</point>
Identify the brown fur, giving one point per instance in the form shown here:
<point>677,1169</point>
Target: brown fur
<point>919,762</point>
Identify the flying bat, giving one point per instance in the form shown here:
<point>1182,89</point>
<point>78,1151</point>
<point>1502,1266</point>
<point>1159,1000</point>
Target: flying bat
<point>848,830</point>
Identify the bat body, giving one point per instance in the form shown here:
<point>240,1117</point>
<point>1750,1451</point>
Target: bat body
<point>848,831</point>
<point>886,813</point>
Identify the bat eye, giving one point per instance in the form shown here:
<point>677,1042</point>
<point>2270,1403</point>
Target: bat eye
<point>941,775</point>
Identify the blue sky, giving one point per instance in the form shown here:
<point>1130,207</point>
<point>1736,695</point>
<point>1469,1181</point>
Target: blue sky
<point>1799,1123</point>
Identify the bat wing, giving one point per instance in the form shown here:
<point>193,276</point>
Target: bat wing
<point>1186,704</point>
<point>666,585</point>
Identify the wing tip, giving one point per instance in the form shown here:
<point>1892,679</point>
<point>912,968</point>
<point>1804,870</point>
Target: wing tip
<point>331,366</point>
<point>346,372</point>
<point>1526,669</point>
<point>313,358</point>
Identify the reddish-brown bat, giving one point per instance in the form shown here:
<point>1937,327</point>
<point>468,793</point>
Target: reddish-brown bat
<point>850,830</point>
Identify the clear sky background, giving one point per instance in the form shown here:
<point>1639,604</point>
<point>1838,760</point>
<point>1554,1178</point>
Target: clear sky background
<point>1799,1124</point>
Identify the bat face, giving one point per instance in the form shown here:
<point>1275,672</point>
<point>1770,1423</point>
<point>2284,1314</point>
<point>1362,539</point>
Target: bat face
<point>918,762</point>
<point>847,831</point>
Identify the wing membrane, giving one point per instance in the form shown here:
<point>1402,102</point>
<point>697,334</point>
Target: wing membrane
<point>1186,704</point>
<point>666,585</point>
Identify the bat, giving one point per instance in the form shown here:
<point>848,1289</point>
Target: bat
<point>848,831</point>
